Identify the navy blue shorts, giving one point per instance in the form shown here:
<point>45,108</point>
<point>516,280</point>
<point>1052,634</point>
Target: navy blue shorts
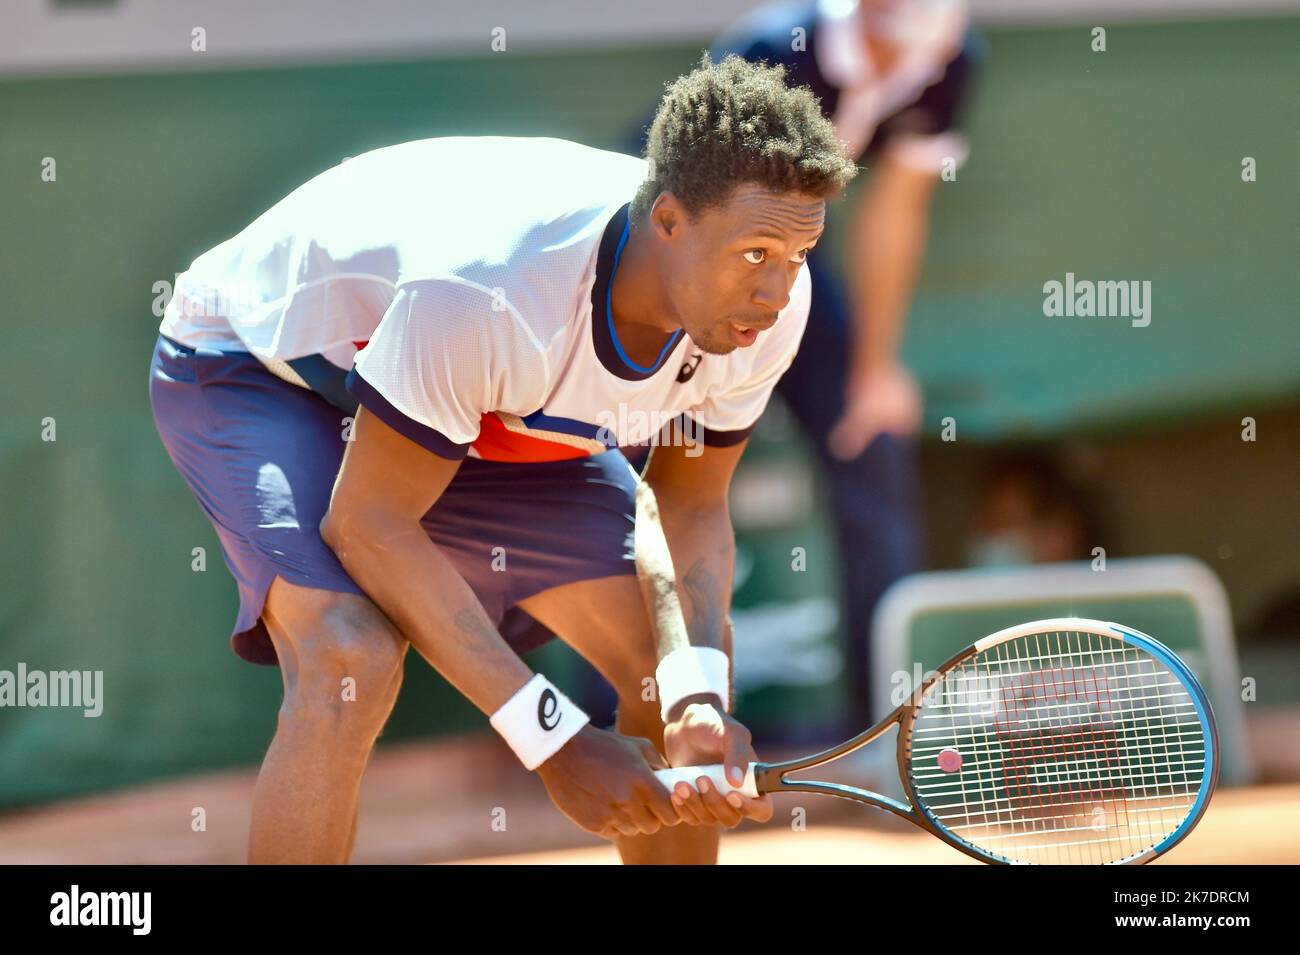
<point>261,456</point>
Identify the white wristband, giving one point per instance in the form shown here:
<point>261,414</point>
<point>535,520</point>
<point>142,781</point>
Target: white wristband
<point>537,721</point>
<point>690,670</point>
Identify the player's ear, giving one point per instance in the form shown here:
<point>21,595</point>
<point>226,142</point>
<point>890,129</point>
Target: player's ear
<point>667,215</point>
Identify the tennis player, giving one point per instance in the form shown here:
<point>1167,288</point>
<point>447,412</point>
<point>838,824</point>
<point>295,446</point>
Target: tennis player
<point>398,396</point>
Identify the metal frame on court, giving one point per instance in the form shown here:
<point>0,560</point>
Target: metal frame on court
<point>1123,578</point>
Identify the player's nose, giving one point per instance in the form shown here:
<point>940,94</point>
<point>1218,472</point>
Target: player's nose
<point>772,294</point>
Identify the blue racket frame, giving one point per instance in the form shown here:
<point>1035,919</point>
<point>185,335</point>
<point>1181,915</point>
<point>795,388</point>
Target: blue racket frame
<point>770,777</point>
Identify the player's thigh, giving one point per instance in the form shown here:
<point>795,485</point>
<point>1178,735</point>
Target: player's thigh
<point>323,637</point>
<point>605,621</point>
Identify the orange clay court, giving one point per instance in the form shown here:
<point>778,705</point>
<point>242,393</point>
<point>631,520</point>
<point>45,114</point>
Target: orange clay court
<point>436,803</point>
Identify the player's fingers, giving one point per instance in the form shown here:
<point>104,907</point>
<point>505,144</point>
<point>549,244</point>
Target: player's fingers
<point>652,809</point>
<point>760,809</point>
<point>687,802</point>
<point>657,802</point>
<point>610,831</point>
<point>717,806</point>
<point>739,752</point>
<point>689,806</point>
<point>661,806</point>
<point>625,827</point>
<point>654,759</point>
<point>646,822</point>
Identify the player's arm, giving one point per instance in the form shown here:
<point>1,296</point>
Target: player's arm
<point>386,484</point>
<point>682,522</point>
<point>686,548</point>
<point>437,362</point>
<point>419,413</point>
<point>603,781</point>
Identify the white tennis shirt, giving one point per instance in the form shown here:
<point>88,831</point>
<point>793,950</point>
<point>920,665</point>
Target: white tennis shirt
<point>458,288</point>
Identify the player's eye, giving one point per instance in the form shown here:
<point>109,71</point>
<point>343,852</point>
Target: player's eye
<point>758,252</point>
<point>801,256</point>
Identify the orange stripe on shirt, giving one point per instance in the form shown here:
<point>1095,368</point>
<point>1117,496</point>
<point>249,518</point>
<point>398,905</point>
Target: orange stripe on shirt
<point>496,442</point>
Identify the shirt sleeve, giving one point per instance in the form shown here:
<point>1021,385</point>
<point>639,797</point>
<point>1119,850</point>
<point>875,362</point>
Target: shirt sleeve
<point>445,353</point>
<point>728,416</point>
<point>927,132</point>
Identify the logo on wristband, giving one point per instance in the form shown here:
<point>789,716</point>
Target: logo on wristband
<point>548,710</point>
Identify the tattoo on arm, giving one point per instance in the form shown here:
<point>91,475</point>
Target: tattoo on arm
<point>702,587</point>
<point>473,630</point>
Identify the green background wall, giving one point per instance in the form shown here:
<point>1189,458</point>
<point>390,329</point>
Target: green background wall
<point>1116,165</point>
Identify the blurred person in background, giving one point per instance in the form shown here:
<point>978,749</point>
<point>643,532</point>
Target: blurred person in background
<point>893,76</point>
<point>1029,512</point>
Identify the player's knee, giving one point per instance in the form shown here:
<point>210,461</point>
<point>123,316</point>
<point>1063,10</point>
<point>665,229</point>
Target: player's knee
<point>349,668</point>
<point>359,643</point>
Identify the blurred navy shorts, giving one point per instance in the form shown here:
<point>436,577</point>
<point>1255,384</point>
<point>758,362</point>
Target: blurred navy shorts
<point>261,456</point>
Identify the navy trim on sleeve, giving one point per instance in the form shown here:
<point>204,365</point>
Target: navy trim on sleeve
<point>326,379</point>
<point>423,435</point>
<point>717,439</point>
<point>939,107</point>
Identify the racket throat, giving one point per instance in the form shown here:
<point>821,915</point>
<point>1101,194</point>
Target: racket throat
<point>769,780</point>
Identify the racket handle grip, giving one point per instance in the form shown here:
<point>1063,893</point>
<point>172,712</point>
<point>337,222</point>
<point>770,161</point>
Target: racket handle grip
<point>717,775</point>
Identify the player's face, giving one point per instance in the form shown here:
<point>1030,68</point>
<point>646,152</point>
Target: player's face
<point>739,262</point>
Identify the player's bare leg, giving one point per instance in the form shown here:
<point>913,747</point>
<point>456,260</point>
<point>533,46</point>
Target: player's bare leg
<point>619,644</point>
<point>682,844</point>
<point>305,802</point>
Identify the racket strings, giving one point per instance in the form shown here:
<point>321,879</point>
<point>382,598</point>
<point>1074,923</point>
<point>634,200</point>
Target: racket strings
<point>1072,747</point>
<point>1046,748</point>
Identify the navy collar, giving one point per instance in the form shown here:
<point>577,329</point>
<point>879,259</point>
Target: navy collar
<point>603,337</point>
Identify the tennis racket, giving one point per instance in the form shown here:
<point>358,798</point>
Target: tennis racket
<point>1059,741</point>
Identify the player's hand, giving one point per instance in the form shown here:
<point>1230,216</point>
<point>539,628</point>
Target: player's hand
<point>605,783</point>
<point>885,400</point>
<point>703,735</point>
